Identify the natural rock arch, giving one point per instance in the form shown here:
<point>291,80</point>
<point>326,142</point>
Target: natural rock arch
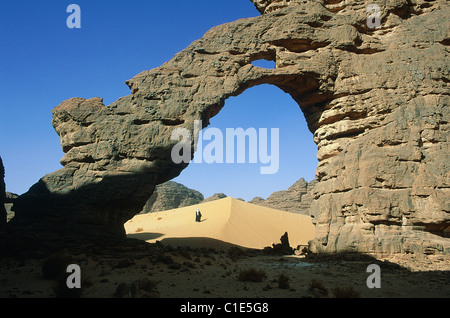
<point>262,113</point>
<point>375,100</point>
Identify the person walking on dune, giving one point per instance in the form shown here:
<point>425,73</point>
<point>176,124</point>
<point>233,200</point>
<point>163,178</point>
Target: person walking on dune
<point>198,216</point>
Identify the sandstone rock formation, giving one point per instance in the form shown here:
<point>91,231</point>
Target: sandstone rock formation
<point>216,196</point>
<point>3,214</point>
<point>266,6</point>
<point>10,197</point>
<point>375,99</point>
<point>283,248</point>
<point>9,202</point>
<point>296,199</point>
<point>171,195</point>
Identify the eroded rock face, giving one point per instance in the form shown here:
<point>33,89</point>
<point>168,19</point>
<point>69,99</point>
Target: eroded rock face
<point>171,195</point>
<point>3,214</point>
<point>267,6</point>
<point>376,101</point>
<point>296,199</point>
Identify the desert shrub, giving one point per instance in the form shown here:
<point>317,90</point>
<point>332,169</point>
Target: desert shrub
<point>147,285</point>
<point>283,281</point>
<point>165,259</point>
<point>55,266</point>
<point>143,288</point>
<point>345,292</point>
<point>317,286</point>
<point>252,275</point>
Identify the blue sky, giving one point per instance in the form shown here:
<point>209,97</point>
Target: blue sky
<point>43,62</point>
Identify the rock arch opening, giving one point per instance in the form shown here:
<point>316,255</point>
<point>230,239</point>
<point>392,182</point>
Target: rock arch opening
<point>268,64</point>
<point>257,110</point>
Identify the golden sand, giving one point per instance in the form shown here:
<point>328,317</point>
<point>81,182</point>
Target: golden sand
<point>224,222</point>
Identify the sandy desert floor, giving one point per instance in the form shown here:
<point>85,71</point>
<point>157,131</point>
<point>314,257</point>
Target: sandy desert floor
<point>185,259</point>
<point>204,273</point>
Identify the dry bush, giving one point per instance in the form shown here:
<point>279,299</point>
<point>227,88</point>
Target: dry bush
<point>252,275</point>
<point>317,286</point>
<point>148,288</point>
<point>283,281</point>
<point>143,288</point>
<point>345,292</point>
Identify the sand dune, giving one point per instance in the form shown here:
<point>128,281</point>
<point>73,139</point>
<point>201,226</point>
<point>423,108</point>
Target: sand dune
<point>224,222</point>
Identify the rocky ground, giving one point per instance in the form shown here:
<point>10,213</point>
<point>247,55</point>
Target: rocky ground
<point>154,270</point>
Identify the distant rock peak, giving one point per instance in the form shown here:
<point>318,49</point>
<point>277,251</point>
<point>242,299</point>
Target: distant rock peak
<point>171,195</point>
<point>296,199</point>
